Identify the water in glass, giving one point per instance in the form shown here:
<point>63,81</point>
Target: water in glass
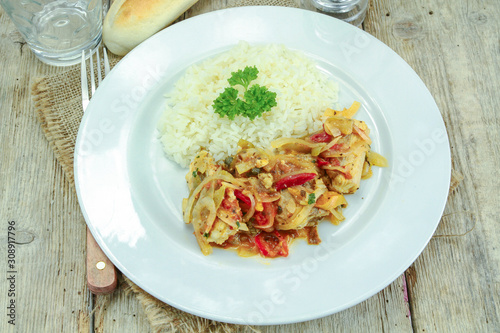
<point>57,31</point>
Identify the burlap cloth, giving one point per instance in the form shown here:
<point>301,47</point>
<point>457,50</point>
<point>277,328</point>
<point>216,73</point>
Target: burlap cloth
<point>57,103</point>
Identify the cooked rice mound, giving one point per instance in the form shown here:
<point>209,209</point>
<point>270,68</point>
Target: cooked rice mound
<point>189,123</point>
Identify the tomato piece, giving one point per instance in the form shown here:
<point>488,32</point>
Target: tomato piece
<point>337,146</point>
<point>259,219</point>
<point>321,162</point>
<point>228,203</point>
<point>321,137</point>
<point>334,161</point>
<point>328,161</point>
<point>244,207</point>
<point>294,180</point>
<point>265,219</point>
<point>272,244</point>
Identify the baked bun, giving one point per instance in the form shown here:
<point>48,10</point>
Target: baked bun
<point>130,22</point>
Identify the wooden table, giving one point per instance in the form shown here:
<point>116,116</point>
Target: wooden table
<point>454,286</point>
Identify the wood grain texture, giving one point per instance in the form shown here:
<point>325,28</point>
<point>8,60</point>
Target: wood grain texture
<point>454,286</point>
<point>50,289</point>
<point>454,47</point>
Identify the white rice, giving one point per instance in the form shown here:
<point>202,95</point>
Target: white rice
<point>189,123</point>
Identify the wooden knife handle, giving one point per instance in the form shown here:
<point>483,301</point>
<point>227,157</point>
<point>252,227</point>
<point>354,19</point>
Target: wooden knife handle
<point>101,273</point>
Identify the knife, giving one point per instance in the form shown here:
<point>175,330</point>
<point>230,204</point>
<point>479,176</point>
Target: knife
<point>101,273</point>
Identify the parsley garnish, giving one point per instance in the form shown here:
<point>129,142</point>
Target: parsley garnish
<point>238,224</point>
<point>257,99</point>
<point>311,199</point>
<point>206,234</point>
<point>243,77</point>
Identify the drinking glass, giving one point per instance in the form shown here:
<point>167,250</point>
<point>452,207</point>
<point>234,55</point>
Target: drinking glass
<point>351,11</point>
<point>57,30</point>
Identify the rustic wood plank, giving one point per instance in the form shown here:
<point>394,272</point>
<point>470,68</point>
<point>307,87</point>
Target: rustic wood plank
<point>385,312</point>
<point>50,290</point>
<point>453,46</point>
<point>453,286</point>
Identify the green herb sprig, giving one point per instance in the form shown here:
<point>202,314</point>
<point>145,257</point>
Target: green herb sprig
<point>311,199</point>
<point>257,99</point>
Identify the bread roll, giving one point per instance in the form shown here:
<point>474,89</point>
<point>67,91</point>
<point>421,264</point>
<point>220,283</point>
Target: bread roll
<point>129,22</point>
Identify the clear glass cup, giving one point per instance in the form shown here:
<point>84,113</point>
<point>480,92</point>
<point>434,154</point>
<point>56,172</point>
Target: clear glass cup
<point>57,30</point>
<point>351,11</point>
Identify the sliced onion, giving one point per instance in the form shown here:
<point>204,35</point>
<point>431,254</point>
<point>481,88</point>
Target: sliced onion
<point>338,215</point>
<point>251,211</point>
<point>273,198</point>
<point>208,203</point>
<point>226,184</point>
<point>198,222</point>
<point>270,157</point>
<point>344,125</point>
<point>219,196</point>
<point>220,174</point>
<point>332,130</point>
<point>300,219</point>
<point>298,145</point>
<point>349,113</point>
<point>377,159</point>
<point>334,168</point>
<point>362,134</point>
<point>316,151</point>
<point>244,166</point>
<point>320,189</point>
<point>296,162</point>
<point>334,153</point>
<point>331,143</point>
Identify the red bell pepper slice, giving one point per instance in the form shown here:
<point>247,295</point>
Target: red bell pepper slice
<point>240,196</point>
<point>321,162</point>
<point>272,244</point>
<point>321,137</point>
<point>294,180</point>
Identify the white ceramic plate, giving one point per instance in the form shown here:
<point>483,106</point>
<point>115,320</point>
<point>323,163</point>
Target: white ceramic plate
<point>131,194</point>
